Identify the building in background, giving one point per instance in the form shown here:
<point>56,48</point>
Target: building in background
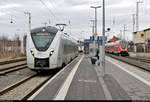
<point>141,41</point>
<point>11,48</point>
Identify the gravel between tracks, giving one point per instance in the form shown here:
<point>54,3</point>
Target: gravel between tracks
<point>14,77</point>
<point>24,89</point>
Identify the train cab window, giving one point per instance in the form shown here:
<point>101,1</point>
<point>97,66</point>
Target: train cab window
<point>42,41</point>
<point>123,45</point>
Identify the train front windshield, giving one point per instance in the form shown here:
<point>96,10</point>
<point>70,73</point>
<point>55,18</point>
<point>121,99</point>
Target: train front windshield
<point>123,45</point>
<point>42,41</point>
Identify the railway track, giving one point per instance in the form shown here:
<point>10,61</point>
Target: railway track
<point>146,60</point>
<point>23,89</point>
<point>12,61</point>
<point>15,65</point>
<point>5,90</point>
<point>12,65</point>
<point>33,79</point>
<point>141,63</point>
<point>35,89</point>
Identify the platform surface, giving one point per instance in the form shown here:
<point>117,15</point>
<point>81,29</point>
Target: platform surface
<point>81,80</point>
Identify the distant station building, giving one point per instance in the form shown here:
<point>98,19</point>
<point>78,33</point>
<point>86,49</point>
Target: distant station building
<point>88,44</point>
<point>142,40</point>
<point>80,46</point>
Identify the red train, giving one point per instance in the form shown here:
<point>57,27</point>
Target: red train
<point>118,47</point>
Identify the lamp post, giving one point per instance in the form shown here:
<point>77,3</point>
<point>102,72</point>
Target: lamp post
<point>93,26</point>
<point>103,42</point>
<point>95,35</point>
<point>82,38</point>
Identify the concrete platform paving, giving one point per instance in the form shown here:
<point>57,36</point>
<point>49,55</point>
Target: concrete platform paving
<point>83,81</point>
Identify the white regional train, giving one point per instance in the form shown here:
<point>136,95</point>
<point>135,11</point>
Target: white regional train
<point>49,48</point>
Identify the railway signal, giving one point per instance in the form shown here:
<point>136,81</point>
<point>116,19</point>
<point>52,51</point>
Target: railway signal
<point>11,21</point>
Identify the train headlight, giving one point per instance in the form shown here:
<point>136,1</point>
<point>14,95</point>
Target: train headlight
<point>51,52</point>
<point>32,52</point>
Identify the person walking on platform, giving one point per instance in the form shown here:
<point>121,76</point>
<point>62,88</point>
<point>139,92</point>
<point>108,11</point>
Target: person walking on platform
<point>95,58</point>
<point>97,54</point>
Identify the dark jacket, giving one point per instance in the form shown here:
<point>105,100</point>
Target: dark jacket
<point>97,54</point>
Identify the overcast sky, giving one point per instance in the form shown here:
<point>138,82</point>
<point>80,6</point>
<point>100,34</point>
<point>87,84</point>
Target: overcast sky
<point>118,13</point>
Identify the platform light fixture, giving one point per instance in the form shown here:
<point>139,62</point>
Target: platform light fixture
<point>95,33</point>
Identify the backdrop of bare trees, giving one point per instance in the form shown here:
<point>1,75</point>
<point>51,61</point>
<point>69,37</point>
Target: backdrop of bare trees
<point>11,48</point>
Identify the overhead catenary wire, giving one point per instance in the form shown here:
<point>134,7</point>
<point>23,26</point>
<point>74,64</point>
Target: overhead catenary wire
<point>50,10</point>
<point>68,21</point>
<point>54,6</point>
<point>23,11</point>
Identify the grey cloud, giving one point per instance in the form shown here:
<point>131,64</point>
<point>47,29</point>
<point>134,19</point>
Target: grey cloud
<point>77,11</point>
<point>76,2</point>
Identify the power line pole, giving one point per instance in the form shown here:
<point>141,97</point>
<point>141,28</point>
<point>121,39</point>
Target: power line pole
<point>93,27</point>
<point>95,35</point>
<point>70,26</point>
<point>45,24</point>
<point>133,15</point>
<point>124,32</point>
<point>121,34</point>
<point>29,14</point>
<point>137,15</point>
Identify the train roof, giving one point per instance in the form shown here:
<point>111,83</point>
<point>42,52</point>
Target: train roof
<point>116,42</point>
<point>47,30</point>
<point>70,37</point>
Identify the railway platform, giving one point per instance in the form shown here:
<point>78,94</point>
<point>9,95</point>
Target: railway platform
<point>80,80</point>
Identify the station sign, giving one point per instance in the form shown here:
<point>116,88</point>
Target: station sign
<point>92,38</point>
<point>88,41</point>
<point>131,44</point>
<point>100,38</point>
<point>95,34</point>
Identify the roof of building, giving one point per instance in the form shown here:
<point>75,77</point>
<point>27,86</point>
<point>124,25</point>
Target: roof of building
<point>142,30</point>
<point>147,29</point>
<point>114,39</point>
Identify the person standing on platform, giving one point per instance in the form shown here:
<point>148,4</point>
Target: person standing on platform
<point>97,54</point>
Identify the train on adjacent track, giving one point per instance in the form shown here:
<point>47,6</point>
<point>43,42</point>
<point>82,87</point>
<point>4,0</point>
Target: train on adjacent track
<point>119,47</point>
<point>49,48</point>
